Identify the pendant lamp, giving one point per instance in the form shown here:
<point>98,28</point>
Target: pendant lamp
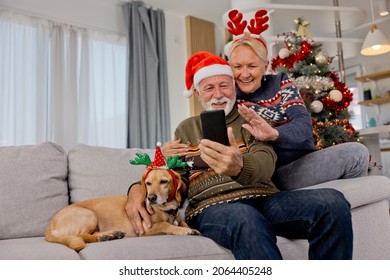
<point>382,6</point>
<point>376,42</point>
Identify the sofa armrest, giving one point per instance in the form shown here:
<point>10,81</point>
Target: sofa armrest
<point>360,191</point>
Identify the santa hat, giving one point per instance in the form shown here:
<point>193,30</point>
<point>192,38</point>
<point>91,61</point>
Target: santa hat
<point>202,65</point>
<point>158,161</point>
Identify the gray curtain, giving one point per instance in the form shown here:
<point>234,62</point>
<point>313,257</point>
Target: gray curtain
<point>148,101</point>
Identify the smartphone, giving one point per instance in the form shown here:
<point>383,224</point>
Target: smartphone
<point>214,126</point>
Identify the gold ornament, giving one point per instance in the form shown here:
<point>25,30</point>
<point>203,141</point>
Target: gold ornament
<point>303,28</point>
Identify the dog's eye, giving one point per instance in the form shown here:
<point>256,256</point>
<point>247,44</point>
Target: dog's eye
<point>148,183</point>
<point>163,181</point>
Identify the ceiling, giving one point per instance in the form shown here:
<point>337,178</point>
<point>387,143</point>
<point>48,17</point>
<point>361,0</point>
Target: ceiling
<point>355,17</point>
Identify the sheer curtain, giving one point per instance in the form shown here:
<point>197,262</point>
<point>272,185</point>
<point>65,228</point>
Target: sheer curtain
<point>24,44</point>
<point>108,104</point>
<point>61,83</point>
<point>148,100</point>
<point>65,114</point>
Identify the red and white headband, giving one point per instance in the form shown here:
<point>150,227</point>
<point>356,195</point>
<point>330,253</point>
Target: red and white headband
<point>257,25</point>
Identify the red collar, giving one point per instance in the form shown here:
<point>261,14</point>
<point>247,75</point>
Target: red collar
<point>172,194</point>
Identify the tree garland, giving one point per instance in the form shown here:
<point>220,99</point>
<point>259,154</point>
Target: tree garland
<point>320,126</point>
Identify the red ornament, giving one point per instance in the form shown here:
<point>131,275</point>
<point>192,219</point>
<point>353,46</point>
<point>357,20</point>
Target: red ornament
<point>305,49</point>
<point>345,101</point>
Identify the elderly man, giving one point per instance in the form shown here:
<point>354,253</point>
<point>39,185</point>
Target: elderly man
<point>231,197</point>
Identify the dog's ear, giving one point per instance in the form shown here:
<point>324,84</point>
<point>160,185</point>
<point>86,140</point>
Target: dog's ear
<point>181,191</point>
<point>143,185</point>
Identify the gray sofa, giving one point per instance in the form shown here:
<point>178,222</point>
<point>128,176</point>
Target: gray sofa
<point>36,181</point>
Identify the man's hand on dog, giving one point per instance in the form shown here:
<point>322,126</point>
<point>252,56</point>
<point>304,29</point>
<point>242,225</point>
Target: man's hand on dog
<point>136,209</point>
<point>225,160</point>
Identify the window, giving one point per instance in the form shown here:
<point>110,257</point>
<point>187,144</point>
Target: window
<point>108,96</point>
<point>357,111</point>
<point>23,92</point>
<point>61,83</point>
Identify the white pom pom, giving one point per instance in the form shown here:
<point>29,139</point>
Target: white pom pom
<point>336,95</point>
<point>187,93</point>
<point>226,48</point>
<point>284,52</point>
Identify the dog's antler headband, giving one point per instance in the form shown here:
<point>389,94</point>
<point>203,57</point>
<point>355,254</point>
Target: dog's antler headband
<point>159,162</point>
<point>257,25</point>
<point>144,159</point>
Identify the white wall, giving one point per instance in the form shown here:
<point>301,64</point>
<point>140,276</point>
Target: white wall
<point>370,64</point>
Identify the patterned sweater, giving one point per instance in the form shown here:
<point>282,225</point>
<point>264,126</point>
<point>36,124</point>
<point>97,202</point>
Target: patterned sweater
<point>206,187</point>
<point>279,102</point>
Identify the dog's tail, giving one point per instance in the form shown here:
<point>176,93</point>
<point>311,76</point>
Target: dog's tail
<point>74,242</point>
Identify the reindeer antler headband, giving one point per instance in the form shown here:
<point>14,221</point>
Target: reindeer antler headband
<point>257,25</point>
<point>159,163</point>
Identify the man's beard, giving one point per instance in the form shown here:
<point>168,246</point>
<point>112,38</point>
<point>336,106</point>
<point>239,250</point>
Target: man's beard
<point>228,107</point>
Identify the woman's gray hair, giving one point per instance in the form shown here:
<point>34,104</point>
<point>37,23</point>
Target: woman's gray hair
<point>254,43</point>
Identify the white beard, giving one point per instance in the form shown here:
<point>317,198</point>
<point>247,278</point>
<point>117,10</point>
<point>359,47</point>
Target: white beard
<point>228,107</point>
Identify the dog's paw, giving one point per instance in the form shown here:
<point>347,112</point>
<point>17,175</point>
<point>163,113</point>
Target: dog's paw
<point>111,236</point>
<point>119,234</point>
<point>194,232</point>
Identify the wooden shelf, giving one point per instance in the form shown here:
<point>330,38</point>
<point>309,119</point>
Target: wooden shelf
<point>376,101</point>
<point>380,130</point>
<point>374,76</point>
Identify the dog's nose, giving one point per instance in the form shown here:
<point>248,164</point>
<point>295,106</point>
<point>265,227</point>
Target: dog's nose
<point>152,198</point>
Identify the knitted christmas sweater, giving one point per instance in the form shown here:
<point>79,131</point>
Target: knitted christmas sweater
<point>207,187</point>
<point>279,102</point>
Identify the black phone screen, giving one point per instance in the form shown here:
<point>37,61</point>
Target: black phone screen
<point>214,126</point>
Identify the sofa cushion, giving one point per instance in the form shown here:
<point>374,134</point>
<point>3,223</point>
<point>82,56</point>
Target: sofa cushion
<point>100,171</point>
<point>33,188</point>
<point>162,247</point>
<point>35,248</point>
<point>355,189</point>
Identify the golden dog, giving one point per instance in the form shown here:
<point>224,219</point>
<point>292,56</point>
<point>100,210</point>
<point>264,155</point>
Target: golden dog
<point>105,218</point>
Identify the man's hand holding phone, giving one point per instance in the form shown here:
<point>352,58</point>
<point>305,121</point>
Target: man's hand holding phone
<point>224,159</point>
<point>214,126</point>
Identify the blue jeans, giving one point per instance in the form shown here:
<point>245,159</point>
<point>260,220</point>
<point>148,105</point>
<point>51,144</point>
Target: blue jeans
<point>249,227</point>
<point>343,161</point>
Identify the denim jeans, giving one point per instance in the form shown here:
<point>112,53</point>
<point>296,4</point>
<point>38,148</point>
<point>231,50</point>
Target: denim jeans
<point>249,227</point>
<point>347,160</point>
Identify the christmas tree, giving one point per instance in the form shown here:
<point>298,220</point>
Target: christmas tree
<point>326,97</point>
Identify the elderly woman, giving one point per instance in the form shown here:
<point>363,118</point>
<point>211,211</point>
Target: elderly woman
<point>276,112</point>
